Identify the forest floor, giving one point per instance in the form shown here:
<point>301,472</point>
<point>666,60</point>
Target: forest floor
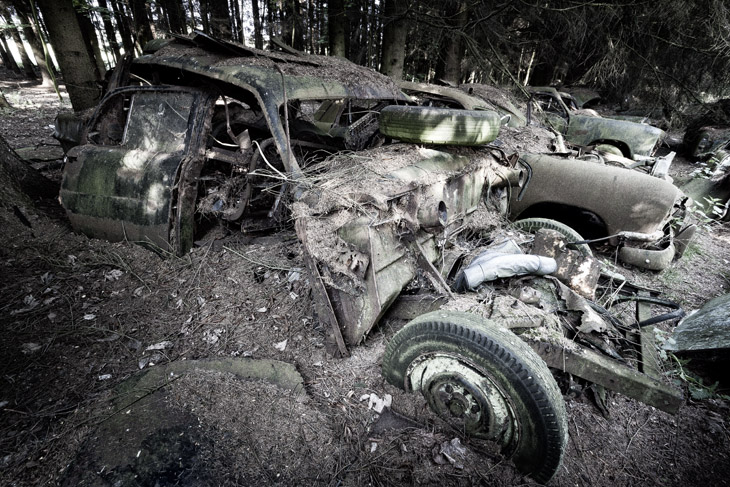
<point>80,317</point>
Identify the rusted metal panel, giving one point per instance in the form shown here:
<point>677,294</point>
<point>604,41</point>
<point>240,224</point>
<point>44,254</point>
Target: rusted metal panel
<point>127,191</point>
<point>641,139</point>
<point>644,206</point>
<point>611,374</point>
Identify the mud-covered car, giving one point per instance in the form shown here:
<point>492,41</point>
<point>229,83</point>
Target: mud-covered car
<point>223,136</point>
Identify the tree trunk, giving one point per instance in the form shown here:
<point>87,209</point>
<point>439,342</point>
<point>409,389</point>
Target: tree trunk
<point>28,71</point>
<point>337,23</point>
<point>220,19</point>
<point>111,35</point>
<point>7,57</point>
<point>291,25</point>
<point>205,15</point>
<point>449,62</point>
<point>395,30</point>
<point>88,31</point>
<point>236,22</point>
<point>121,18</point>
<point>78,69</point>
<point>258,33</point>
<point>34,40</point>
<point>270,16</point>
<point>142,27</point>
<point>175,16</point>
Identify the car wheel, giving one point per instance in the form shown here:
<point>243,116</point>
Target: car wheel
<point>446,126</point>
<point>532,225</point>
<point>485,382</point>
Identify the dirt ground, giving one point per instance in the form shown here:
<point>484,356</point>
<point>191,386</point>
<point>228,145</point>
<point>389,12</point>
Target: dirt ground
<point>82,316</point>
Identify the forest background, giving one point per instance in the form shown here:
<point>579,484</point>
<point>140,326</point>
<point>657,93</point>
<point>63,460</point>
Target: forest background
<point>667,54</point>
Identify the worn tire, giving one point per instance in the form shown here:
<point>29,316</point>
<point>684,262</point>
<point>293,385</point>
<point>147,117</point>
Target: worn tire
<point>427,125</point>
<point>532,225</point>
<point>485,381</point>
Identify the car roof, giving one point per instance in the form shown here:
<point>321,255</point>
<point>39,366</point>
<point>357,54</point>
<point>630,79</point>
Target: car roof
<point>272,76</point>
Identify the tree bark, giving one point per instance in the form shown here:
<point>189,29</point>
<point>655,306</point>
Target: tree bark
<point>175,16</point>
<point>34,40</point>
<point>121,18</point>
<point>142,27</point>
<point>220,19</point>
<point>395,31</point>
<point>88,31</point>
<point>337,25</point>
<point>291,25</point>
<point>205,15</point>
<point>111,35</point>
<point>78,68</point>
<point>28,71</point>
<point>236,23</point>
<point>258,33</point>
<point>449,63</point>
<point>8,58</point>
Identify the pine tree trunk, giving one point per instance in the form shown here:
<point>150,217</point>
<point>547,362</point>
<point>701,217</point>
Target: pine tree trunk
<point>121,17</point>
<point>7,57</point>
<point>220,19</point>
<point>236,23</point>
<point>337,23</point>
<point>111,35</point>
<point>394,39</point>
<point>88,31</point>
<point>28,71</point>
<point>449,62</point>
<point>176,16</point>
<point>34,41</point>
<point>142,27</point>
<point>258,33</point>
<point>77,67</point>
<point>20,180</point>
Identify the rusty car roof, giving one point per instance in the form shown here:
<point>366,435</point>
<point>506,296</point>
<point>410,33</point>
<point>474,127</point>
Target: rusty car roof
<point>276,76</point>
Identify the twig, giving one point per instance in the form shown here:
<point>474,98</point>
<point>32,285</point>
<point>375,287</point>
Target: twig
<point>270,266</point>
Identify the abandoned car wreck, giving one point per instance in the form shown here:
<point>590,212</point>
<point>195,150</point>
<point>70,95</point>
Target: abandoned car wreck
<point>400,211</point>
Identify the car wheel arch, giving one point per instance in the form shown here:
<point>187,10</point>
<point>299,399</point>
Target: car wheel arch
<point>586,222</point>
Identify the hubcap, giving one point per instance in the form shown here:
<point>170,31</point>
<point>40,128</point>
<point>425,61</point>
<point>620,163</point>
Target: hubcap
<point>464,396</point>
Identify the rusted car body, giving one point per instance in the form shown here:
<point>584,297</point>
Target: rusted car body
<point>225,135</point>
<point>644,221</point>
<point>581,96</point>
<point>427,94</point>
<point>589,129</point>
<point>149,152</point>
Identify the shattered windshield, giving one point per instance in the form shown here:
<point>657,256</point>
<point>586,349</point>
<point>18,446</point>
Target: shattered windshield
<point>158,122</point>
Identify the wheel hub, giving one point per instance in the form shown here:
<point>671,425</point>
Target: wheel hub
<point>465,397</point>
